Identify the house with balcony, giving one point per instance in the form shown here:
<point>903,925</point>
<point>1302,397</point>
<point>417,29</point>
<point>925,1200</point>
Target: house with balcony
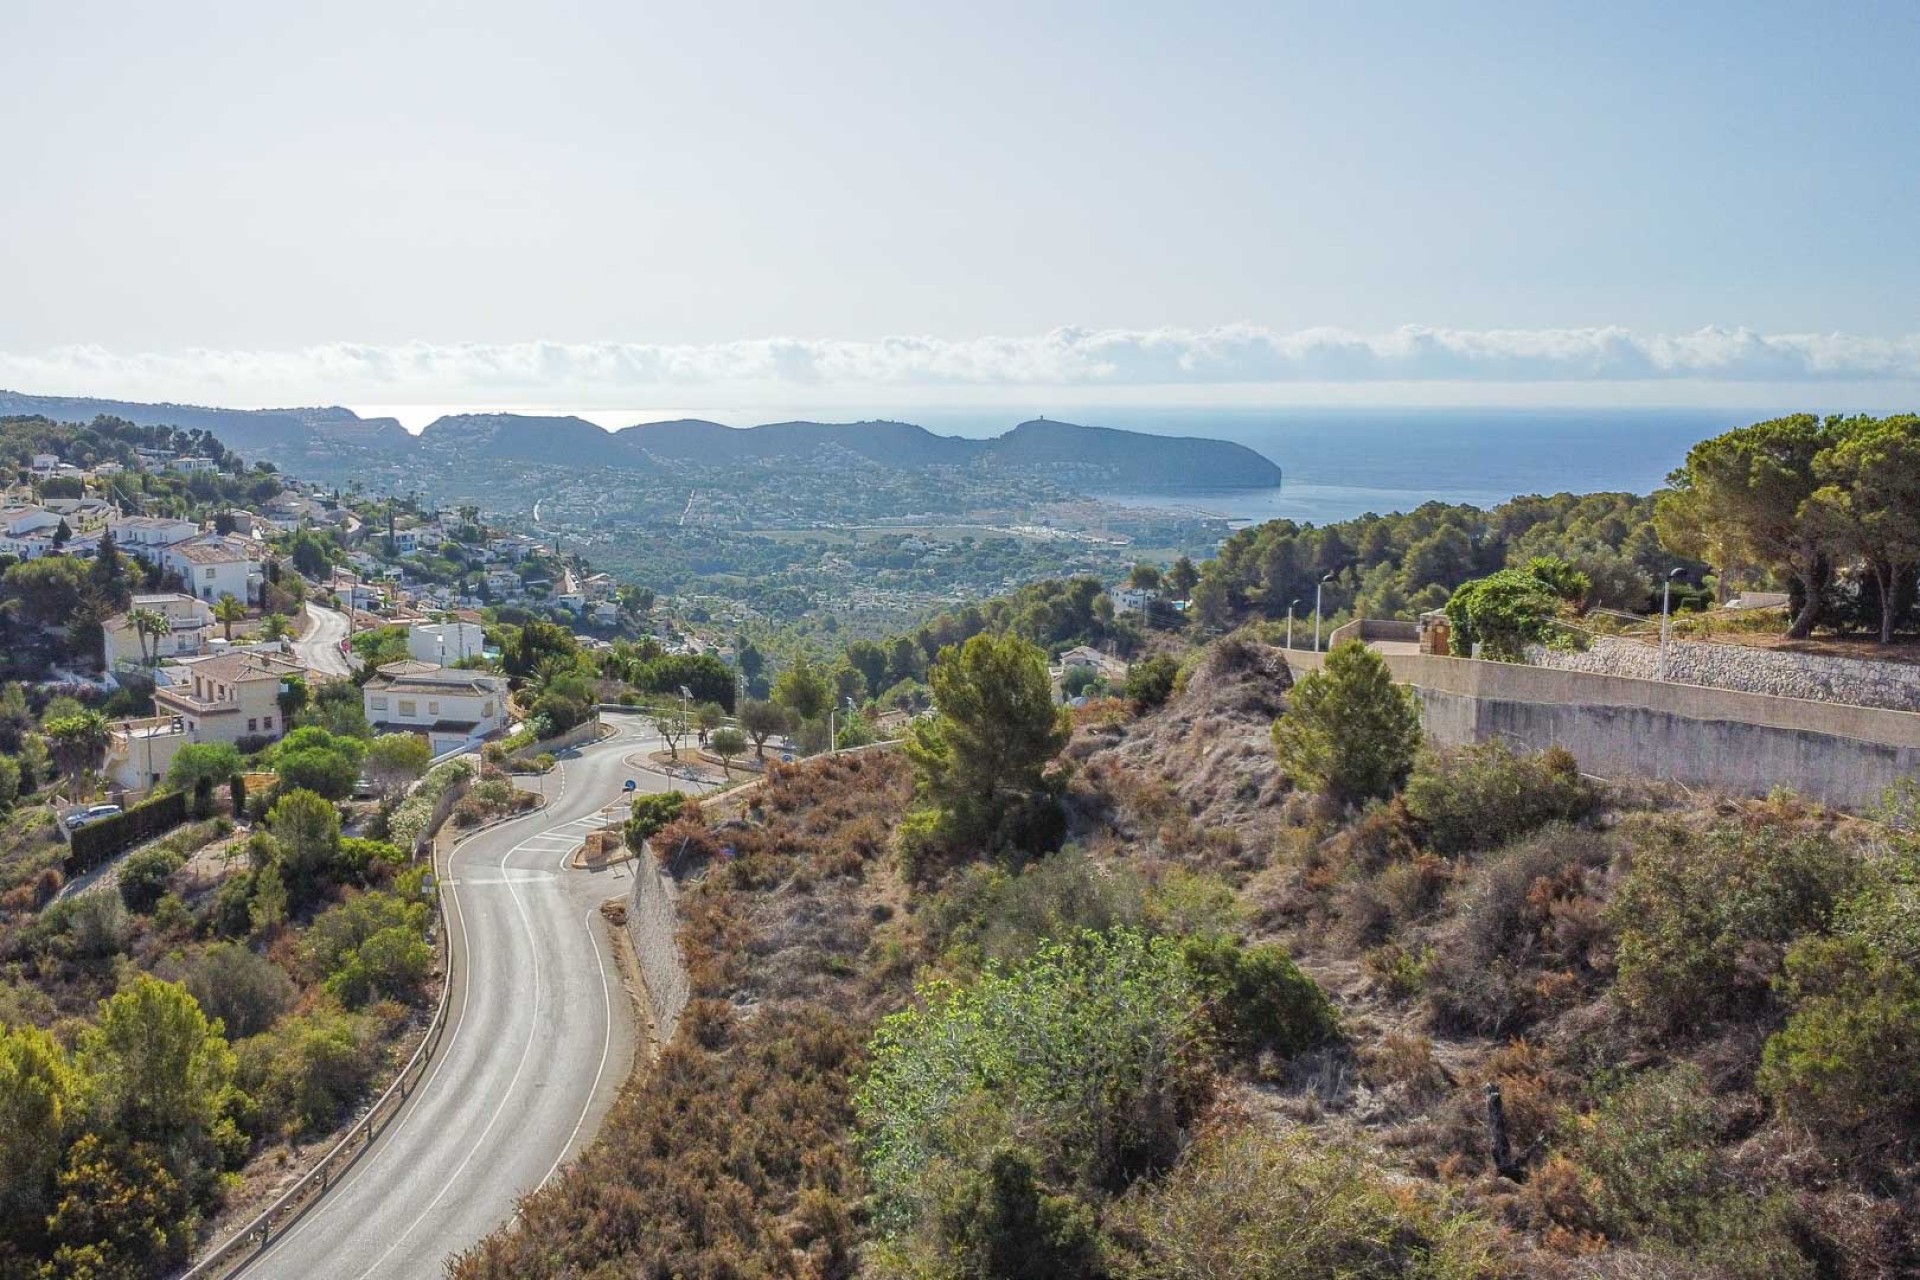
<point>214,565</point>
<point>450,707</point>
<point>231,698</point>
<point>148,536</point>
<point>190,631</point>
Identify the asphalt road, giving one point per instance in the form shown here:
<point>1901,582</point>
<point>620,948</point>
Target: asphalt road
<point>540,1039</point>
<point>320,649</point>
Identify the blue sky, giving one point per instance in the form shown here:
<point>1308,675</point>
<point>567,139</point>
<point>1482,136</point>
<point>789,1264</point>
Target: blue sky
<point>645,203</point>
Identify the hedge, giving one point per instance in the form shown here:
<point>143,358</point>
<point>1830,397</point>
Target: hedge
<point>99,840</point>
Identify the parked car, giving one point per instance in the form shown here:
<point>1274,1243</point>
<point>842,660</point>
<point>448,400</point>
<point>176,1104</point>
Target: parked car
<point>92,813</point>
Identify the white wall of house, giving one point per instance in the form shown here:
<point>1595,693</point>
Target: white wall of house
<point>445,642</point>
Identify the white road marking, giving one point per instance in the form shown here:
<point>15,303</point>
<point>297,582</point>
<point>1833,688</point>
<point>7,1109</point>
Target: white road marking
<point>606,1048</point>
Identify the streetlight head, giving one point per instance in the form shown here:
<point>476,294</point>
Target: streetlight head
<point>1675,575</point>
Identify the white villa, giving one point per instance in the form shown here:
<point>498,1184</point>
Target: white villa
<point>450,707</point>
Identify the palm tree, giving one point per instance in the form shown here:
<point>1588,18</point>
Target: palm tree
<point>149,625</point>
<point>77,744</point>
<point>274,627</point>
<point>229,610</point>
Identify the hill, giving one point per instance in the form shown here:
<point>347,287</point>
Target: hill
<point>1073,455</point>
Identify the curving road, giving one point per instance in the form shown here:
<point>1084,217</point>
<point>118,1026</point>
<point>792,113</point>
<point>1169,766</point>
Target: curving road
<point>539,1040</point>
<point>320,648</point>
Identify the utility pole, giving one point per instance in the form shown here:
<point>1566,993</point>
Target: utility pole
<point>1316,609</point>
<point>1666,605</point>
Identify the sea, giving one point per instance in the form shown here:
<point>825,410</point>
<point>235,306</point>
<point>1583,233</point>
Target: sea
<point>1337,462</point>
<point>1345,462</point>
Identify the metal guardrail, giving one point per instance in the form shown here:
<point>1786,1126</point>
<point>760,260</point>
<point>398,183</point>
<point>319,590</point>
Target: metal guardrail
<point>240,1247</point>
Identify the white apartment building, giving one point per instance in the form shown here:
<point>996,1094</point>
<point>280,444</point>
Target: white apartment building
<point>190,630</point>
<point>449,707</point>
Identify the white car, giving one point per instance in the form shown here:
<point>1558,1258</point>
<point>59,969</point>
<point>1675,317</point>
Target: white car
<point>92,813</point>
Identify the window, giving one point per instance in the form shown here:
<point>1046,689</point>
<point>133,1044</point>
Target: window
<point>408,707</point>
<point>267,723</point>
<point>209,573</point>
<point>253,725</point>
<point>433,708</point>
<point>379,704</point>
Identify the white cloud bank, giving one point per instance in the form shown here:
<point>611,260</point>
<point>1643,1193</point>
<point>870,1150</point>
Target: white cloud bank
<point>1229,357</point>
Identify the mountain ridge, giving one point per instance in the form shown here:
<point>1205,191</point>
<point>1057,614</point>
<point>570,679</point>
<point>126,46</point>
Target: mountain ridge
<point>1088,456</point>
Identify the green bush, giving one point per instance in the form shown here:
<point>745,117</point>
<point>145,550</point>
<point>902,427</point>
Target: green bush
<point>997,1222</point>
<point>1150,680</point>
<point>1655,1176</point>
<point>370,947</point>
<point>1484,796</point>
<point>1503,613</point>
<point>242,988</point>
<point>649,814</point>
<point>308,1072</point>
<point>1258,999</point>
<point>1348,730</point>
<point>1092,1052</point>
<point>143,876</point>
<point>1244,1201</point>
<point>1702,917</point>
<point>1847,1062</point>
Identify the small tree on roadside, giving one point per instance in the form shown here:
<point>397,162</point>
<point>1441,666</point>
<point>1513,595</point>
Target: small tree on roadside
<point>673,728</point>
<point>763,720</point>
<point>707,717</point>
<point>1348,730</point>
<point>727,743</point>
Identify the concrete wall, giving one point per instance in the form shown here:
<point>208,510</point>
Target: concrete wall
<point>654,923</point>
<point>1375,629</point>
<point>1719,739</point>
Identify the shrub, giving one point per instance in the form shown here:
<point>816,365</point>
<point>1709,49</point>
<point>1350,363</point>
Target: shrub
<point>243,989</point>
<point>370,947</point>
<point>1483,796</point>
<point>1150,680</point>
<point>1503,613</point>
<point>1527,906</point>
<point>650,813</point>
<point>1245,1202</point>
<point>1091,1050</point>
<point>310,1070</point>
<point>1348,730</point>
<point>1004,916</point>
<point>1654,1175</point>
<point>1703,918</point>
<point>1258,999</point>
<point>143,876</point>
<point>1847,1063</point>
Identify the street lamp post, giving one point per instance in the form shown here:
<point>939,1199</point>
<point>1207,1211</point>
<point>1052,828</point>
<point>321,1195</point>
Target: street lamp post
<point>1316,610</point>
<point>1666,603</point>
<point>1291,606</point>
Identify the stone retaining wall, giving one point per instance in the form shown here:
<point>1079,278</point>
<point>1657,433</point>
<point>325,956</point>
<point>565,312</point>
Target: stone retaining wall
<point>1779,673</point>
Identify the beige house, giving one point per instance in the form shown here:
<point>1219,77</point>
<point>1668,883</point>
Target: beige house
<point>450,707</point>
<point>190,629</point>
<point>229,698</point>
